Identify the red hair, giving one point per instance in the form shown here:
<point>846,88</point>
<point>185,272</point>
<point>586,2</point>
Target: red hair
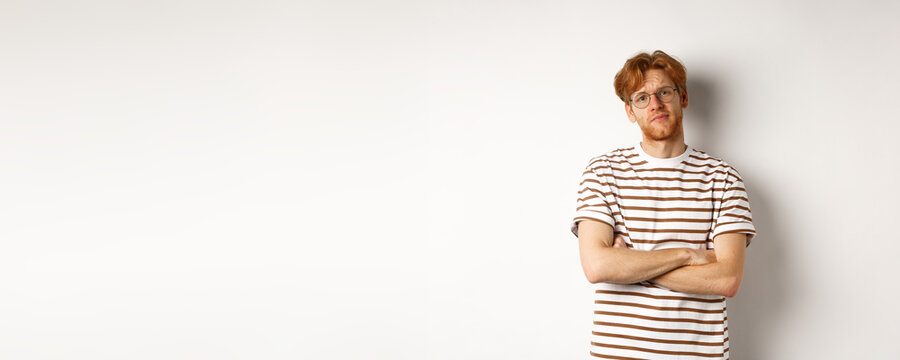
<point>631,77</point>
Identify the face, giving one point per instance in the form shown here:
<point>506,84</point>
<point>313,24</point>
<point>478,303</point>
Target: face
<point>659,121</point>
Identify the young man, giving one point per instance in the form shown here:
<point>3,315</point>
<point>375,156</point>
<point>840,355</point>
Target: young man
<point>662,229</point>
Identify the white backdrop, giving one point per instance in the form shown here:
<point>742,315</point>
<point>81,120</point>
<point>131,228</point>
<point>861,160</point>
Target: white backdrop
<point>394,180</point>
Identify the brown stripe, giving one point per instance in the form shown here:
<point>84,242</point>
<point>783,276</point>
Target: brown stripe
<point>664,179</point>
<point>738,216</point>
<point>671,170</point>
<point>608,158</point>
<point>655,178</point>
<point>713,165</point>
<point>665,209</point>
<point>679,331</point>
<point>663,308</point>
<point>592,191</point>
<point>683,171</point>
<point>595,190</point>
<point>662,341</point>
<point>593,181</point>
<point>615,357</point>
<point>659,188</point>
<point>661,297</point>
<point>734,207</point>
<point>592,168</point>
<point>595,205</point>
<point>708,322</point>
<point>706,158</point>
<point>686,353</point>
<point>676,231</point>
<point>632,218</point>
<point>654,198</point>
<point>668,240</point>
<point>738,178</point>
<point>642,162</point>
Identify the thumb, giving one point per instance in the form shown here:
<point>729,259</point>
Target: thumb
<point>619,242</point>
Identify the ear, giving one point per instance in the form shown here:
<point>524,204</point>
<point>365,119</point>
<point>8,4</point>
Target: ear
<point>684,98</point>
<point>630,112</point>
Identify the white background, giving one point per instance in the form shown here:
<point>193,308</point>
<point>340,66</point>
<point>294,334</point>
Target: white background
<point>395,179</point>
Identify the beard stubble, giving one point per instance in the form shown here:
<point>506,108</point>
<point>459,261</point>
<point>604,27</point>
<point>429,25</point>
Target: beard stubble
<point>662,133</point>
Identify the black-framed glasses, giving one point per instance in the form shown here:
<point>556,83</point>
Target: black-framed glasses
<point>664,94</point>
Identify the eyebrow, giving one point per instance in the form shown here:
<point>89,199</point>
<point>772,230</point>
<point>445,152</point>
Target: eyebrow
<point>657,89</point>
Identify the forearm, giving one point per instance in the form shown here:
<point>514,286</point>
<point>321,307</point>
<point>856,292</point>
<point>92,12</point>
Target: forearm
<point>711,279</point>
<point>624,266</point>
<point>607,260</point>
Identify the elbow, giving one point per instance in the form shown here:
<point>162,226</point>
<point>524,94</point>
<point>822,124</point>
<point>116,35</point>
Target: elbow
<point>730,286</point>
<point>597,273</point>
<point>602,267</point>
<point>595,276</point>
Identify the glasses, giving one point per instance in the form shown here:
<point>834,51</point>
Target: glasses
<point>664,94</point>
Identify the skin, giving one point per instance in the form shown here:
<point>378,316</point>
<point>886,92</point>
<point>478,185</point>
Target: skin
<point>660,123</point>
<point>602,261</point>
<point>608,259</point>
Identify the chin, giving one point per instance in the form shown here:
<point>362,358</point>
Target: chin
<point>662,133</point>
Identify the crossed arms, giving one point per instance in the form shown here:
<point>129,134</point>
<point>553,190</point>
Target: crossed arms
<point>709,272</point>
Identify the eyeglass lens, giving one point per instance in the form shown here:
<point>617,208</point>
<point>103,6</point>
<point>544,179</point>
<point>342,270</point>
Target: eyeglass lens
<point>664,94</point>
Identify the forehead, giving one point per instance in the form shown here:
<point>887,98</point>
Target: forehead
<point>655,79</point>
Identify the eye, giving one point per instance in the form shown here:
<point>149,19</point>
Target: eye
<point>641,97</point>
<point>665,92</point>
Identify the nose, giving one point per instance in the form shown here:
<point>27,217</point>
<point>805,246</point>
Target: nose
<point>655,103</point>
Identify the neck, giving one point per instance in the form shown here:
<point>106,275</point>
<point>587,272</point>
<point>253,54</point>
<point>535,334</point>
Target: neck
<point>664,149</point>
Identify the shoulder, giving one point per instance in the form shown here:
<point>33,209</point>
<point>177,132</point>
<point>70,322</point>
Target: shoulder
<point>700,158</point>
<point>617,156</point>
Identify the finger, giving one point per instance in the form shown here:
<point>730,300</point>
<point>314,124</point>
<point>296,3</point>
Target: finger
<point>620,242</point>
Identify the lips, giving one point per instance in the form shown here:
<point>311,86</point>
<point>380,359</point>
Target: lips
<point>660,117</point>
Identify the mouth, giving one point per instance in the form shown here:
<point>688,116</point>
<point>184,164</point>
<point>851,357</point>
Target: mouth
<point>659,117</point>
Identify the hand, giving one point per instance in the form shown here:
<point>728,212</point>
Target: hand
<point>702,257</point>
<point>620,243</point>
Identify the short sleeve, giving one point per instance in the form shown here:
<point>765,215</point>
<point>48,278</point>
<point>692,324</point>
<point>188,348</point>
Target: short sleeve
<point>734,215</point>
<point>592,192</point>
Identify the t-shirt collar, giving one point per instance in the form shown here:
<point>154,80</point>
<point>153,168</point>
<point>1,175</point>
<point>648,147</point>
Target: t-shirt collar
<point>667,162</point>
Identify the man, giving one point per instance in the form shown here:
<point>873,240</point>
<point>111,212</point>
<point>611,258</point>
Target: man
<point>662,229</point>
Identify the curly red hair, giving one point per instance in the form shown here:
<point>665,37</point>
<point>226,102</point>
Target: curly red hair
<point>631,76</point>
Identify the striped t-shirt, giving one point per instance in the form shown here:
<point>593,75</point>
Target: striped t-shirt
<point>653,203</point>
